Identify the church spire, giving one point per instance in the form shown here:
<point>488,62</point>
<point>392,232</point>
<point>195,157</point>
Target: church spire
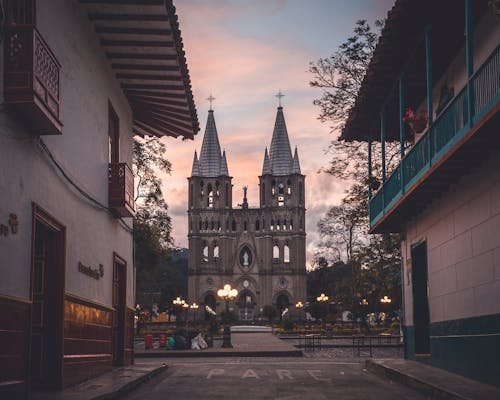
<point>195,171</point>
<point>210,154</point>
<point>223,166</point>
<point>296,163</point>
<point>266,167</point>
<point>280,152</point>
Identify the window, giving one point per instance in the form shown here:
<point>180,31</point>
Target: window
<point>288,187</point>
<point>273,187</point>
<point>212,225</point>
<point>276,253</point>
<point>210,199</point>
<point>257,225</point>
<point>281,188</point>
<point>114,135</point>
<point>281,201</point>
<point>201,189</point>
<point>200,225</point>
<point>286,253</point>
<point>233,226</point>
<point>217,188</point>
<point>245,226</point>
<point>284,224</point>
<point>218,225</point>
<point>272,225</point>
<point>227,224</point>
<point>206,224</point>
<point>291,224</point>
<point>216,251</point>
<point>278,225</point>
<point>205,252</point>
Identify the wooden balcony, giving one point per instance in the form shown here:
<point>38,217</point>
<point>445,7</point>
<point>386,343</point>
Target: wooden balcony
<point>121,190</point>
<point>452,145</point>
<point>31,77</point>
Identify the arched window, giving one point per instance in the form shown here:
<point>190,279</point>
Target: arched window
<point>233,226</point>
<point>257,225</point>
<point>284,224</point>
<point>212,225</point>
<point>286,253</point>
<point>205,252</point>
<point>218,225</point>
<point>291,224</point>
<point>272,225</point>
<point>217,188</point>
<point>273,187</point>
<point>227,224</point>
<point>202,192</point>
<point>288,187</point>
<point>276,253</point>
<point>245,226</point>
<point>278,227</point>
<point>281,188</point>
<point>200,225</point>
<point>206,224</point>
<point>263,224</point>
<point>216,251</point>
<point>210,198</point>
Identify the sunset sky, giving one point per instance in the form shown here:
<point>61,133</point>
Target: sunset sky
<point>243,52</point>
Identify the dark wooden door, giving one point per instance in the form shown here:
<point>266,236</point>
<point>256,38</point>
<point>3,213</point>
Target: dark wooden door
<point>47,311</point>
<point>119,304</point>
<point>421,318</point>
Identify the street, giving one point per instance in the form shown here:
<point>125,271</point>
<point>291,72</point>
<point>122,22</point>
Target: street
<point>268,378</point>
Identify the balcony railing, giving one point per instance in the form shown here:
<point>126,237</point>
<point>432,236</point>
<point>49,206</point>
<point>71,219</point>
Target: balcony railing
<point>449,127</point>
<point>121,190</point>
<point>32,79</point>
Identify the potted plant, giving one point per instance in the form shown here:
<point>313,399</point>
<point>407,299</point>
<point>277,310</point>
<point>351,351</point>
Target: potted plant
<point>416,121</point>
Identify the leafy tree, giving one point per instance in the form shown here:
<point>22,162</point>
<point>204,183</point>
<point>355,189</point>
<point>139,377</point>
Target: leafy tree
<point>149,162</point>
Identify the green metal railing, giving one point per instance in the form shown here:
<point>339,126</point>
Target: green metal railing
<point>450,126</point>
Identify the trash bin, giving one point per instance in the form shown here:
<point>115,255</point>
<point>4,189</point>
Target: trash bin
<point>148,341</point>
<point>163,340</point>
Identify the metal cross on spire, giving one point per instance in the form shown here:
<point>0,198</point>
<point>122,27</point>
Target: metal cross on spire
<point>279,96</point>
<point>210,99</point>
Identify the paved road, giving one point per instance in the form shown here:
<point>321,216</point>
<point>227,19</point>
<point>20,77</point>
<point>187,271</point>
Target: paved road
<point>269,378</point>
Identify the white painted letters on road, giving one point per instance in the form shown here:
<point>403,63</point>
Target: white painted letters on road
<point>284,373</point>
<point>250,373</point>
<point>214,372</point>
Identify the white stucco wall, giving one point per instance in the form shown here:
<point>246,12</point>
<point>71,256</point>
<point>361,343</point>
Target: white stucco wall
<point>462,230</point>
<point>26,174</point>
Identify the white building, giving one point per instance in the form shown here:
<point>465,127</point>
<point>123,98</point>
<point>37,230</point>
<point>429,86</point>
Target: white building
<point>442,60</point>
<point>80,78</point>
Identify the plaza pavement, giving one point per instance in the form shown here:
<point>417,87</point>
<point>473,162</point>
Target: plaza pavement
<point>275,374</point>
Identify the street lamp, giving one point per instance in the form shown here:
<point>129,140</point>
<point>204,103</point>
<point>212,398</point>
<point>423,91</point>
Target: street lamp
<point>179,303</point>
<point>299,307</point>
<point>385,300</point>
<point>322,298</point>
<point>227,293</point>
<point>194,307</point>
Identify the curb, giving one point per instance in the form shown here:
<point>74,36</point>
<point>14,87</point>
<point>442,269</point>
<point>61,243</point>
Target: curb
<point>172,354</point>
<point>434,392</point>
<point>128,387</point>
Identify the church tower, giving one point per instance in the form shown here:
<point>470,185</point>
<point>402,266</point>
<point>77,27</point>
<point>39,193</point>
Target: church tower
<point>260,251</point>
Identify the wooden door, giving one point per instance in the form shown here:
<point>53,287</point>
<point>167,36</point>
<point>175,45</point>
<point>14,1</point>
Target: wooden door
<point>119,304</point>
<point>421,318</point>
<point>47,293</point>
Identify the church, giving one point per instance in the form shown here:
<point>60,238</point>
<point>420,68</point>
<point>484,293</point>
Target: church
<point>259,251</point>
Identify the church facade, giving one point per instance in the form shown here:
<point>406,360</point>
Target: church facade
<point>259,251</point>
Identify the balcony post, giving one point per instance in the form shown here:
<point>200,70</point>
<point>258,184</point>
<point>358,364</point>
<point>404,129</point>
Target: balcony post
<point>369,167</point>
<point>382,142</point>
<point>401,130</point>
<point>469,59</point>
<point>428,70</point>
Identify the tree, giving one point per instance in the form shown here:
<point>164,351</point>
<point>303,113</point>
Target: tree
<point>149,161</point>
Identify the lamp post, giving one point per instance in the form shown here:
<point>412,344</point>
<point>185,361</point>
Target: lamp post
<point>178,303</point>
<point>299,307</point>
<point>322,299</point>
<point>194,307</point>
<point>385,303</point>
<point>227,293</point>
